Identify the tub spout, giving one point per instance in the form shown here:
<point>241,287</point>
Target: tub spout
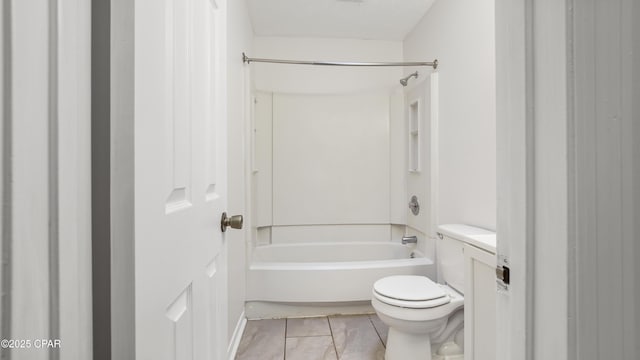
<point>409,240</point>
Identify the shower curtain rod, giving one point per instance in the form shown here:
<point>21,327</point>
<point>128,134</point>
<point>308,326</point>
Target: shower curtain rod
<point>249,60</point>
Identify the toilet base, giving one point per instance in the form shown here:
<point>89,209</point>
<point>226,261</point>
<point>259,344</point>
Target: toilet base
<point>404,346</point>
<point>448,351</point>
<point>448,357</point>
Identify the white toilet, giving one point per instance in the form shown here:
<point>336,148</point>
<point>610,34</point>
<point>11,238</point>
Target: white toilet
<point>425,319</point>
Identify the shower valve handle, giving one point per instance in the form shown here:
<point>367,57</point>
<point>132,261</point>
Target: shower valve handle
<point>414,205</point>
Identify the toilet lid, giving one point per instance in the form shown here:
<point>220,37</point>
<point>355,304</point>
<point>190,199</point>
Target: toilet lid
<point>409,288</point>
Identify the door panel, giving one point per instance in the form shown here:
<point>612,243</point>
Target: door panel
<point>178,106</point>
<point>180,192</point>
<point>180,313</point>
<point>216,308</point>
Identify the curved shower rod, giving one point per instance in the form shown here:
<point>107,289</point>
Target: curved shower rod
<point>249,60</point>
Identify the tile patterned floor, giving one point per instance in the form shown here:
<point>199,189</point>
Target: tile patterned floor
<point>357,337</point>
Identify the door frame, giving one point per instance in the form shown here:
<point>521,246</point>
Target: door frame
<point>534,160</point>
<point>46,203</point>
<point>514,126</point>
<point>112,86</point>
<point>555,136</point>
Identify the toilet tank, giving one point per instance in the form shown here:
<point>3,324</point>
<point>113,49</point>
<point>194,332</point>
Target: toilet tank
<point>450,252</point>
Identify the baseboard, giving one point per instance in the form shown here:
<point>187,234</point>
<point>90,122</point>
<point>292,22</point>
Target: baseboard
<point>237,336</point>
<point>255,310</point>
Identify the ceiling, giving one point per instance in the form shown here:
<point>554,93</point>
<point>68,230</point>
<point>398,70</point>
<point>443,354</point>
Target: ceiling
<point>354,19</point>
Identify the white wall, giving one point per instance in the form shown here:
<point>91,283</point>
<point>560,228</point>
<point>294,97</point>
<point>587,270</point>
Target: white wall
<point>239,39</point>
<point>461,35</point>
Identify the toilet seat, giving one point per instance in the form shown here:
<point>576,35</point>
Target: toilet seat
<point>410,291</point>
<point>384,307</point>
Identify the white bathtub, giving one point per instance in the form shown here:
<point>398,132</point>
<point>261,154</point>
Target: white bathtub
<point>328,272</point>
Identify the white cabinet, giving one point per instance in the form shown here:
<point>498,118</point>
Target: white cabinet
<point>479,304</point>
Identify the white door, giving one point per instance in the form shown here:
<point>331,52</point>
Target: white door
<point>180,179</point>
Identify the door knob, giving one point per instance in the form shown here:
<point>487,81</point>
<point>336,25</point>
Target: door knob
<point>235,222</point>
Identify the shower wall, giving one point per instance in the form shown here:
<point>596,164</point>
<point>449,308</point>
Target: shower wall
<point>322,160</point>
<point>330,159</point>
<point>323,137</point>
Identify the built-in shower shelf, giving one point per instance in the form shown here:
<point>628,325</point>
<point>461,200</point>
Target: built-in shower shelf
<point>414,136</point>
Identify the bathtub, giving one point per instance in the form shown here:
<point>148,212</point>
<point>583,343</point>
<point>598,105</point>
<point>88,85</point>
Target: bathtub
<point>328,272</point>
